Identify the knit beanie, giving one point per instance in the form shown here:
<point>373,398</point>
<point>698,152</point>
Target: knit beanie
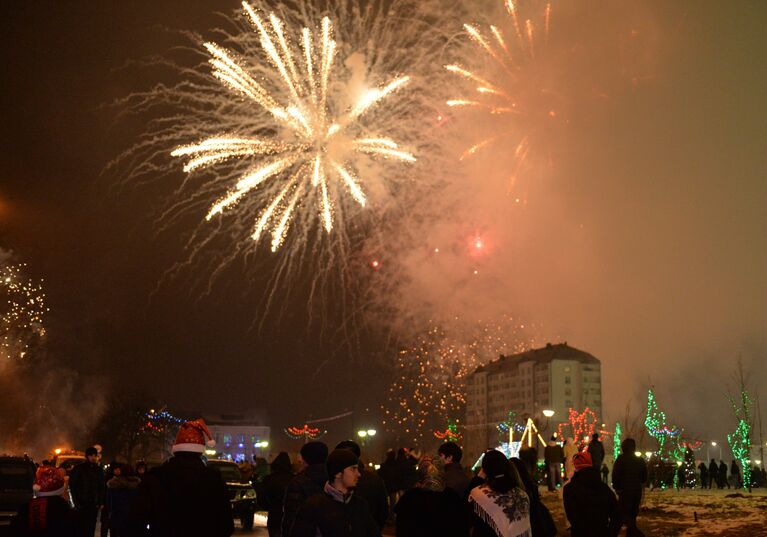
<point>339,460</point>
<point>314,452</point>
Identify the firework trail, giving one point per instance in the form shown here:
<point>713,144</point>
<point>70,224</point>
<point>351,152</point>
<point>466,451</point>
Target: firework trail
<point>285,124</point>
<point>22,311</point>
<point>430,377</point>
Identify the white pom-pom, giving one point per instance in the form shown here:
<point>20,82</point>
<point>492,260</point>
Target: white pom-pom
<point>36,487</point>
<point>210,443</point>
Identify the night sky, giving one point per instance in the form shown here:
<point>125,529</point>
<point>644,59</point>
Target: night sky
<point>664,279</point>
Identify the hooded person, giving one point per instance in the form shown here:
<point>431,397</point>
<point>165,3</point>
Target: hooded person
<point>336,511</point>
<point>184,496</point>
<point>629,478</point>
<point>309,481</point>
<point>500,506</point>
<point>590,505</point>
<point>48,514</point>
<point>430,509</point>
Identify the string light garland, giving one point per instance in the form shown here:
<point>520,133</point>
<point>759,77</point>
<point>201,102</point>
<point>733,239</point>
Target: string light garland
<point>581,424</point>
<point>617,440</point>
<point>304,433</point>
<point>159,422</point>
<point>740,440</point>
<point>450,434</point>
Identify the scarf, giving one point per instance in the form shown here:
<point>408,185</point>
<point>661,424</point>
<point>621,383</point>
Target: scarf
<point>336,494</point>
<point>508,514</point>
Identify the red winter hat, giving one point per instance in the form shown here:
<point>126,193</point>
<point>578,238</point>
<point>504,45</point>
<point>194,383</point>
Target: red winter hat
<point>193,436</point>
<point>49,481</point>
<point>582,460</point>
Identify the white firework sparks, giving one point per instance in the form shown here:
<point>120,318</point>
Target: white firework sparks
<point>22,311</point>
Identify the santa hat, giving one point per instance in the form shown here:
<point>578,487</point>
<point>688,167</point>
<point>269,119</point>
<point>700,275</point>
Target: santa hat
<point>49,481</point>
<point>582,460</point>
<point>194,437</point>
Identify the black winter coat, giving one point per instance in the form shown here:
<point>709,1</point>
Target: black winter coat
<point>274,487</point>
<point>590,506</point>
<point>597,451</point>
<point>457,480</point>
<point>629,473</point>
<point>372,489</point>
<point>51,517</point>
<point>121,493</point>
<point>428,513</point>
<point>307,483</point>
<point>86,483</point>
<point>553,453</point>
<point>322,515</point>
<point>183,498</point>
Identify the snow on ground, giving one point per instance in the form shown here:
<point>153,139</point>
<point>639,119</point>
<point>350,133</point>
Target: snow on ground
<point>730,513</point>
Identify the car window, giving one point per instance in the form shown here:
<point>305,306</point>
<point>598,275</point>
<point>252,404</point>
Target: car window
<point>229,472</point>
<point>16,476</point>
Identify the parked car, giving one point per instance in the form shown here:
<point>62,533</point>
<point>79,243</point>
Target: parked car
<point>241,492</point>
<point>67,459</point>
<point>17,475</point>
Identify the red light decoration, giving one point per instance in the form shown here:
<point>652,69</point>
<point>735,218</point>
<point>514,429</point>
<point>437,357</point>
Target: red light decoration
<point>450,434</point>
<point>581,424</point>
<point>304,433</point>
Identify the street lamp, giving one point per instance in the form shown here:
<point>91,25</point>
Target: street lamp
<point>548,413</point>
<point>362,434</point>
<point>371,432</point>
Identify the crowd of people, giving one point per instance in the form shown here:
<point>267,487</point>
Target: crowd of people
<point>334,494</point>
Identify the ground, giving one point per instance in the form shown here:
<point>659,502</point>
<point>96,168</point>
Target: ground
<point>668,513</point>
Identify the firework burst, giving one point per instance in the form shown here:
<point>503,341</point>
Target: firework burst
<point>314,142</point>
<point>22,311</point>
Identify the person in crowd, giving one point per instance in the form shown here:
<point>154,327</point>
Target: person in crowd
<point>605,473</point>
<point>713,474</point>
<point>429,509</point>
<point>370,486</point>
<point>597,451</point>
<point>246,470</point>
<point>723,475</point>
<point>456,479</point>
<point>553,456</point>
<point>140,469</point>
<point>703,474</point>
<point>407,474</point>
<point>590,505</point>
<point>629,478</point>
<point>541,522</point>
<point>87,486</point>
<point>529,456</point>
<point>183,496</point>
<point>122,490</point>
<point>275,485</point>
<point>309,481</point>
<point>389,474</point>
<point>48,513</point>
<point>109,473</point>
<point>569,449</point>
<point>336,511</point>
<point>500,507</point>
<point>735,473</point>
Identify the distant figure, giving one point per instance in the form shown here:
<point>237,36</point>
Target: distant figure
<point>429,509</point>
<point>703,474</point>
<point>553,456</point>
<point>597,451</point>
<point>48,514</point>
<point>723,475</point>
<point>122,490</point>
<point>407,474</point>
<point>370,486</point>
<point>629,477</point>
<point>500,507</point>
<point>274,488</point>
<point>388,472</point>
<point>605,474</point>
<point>590,505</point>
<point>569,449</point>
<point>184,496</point>
<point>336,510</point>
<point>86,484</point>
<point>735,473</point>
<point>140,469</point>
<point>455,476</point>
<point>713,474</point>
<point>311,480</point>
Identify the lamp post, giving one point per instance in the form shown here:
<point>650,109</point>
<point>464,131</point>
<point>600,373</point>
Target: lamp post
<point>548,413</point>
<point>364,434</point>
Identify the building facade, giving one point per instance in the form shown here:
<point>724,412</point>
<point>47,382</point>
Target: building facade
<point>239,437</point>
<point>556,377</point>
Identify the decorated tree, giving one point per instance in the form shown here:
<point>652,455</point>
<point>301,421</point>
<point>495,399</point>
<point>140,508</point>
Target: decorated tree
<point>579,425</point>
<point>657,427</point>
<point>450,434</point>
<point>740,440</point>
<point>617,440</point>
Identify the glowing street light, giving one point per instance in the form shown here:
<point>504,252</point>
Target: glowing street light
<point>362,434</point>
<point>548,413</point>
<point>371,432</point>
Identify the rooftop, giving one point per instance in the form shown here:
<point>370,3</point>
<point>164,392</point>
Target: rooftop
<point>544,355</point>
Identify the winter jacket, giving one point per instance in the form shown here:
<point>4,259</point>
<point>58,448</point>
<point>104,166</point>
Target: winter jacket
<point>121,493</point>
<point>331,514</point>
<point>273,496</point>
<point>428,513</point>
<point>307,483</point>
<point>553,454</point>
<point>86,483</point>
<point>456,479</point>
<point>597,451</point>
<point>183,498</point>
<point>591,506</point>
<point>388,472</point>
<point>371,488</point>
<point>48,516</point>
<point>629,473</point>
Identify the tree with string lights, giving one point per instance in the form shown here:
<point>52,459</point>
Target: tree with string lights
<point>740,439</point>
